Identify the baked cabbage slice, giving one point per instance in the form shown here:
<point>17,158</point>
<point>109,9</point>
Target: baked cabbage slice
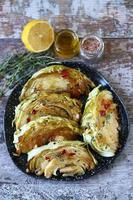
<point>68,158</point>
<point>100,122</point>
<point>43,130</point>
<point>57,79</point>
<point>42,104</point>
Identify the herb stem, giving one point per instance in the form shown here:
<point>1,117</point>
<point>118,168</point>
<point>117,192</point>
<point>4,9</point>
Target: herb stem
<point>21,64</point>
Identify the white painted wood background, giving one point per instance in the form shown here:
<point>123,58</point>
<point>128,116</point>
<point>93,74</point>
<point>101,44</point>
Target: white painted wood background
<point>109,19</point>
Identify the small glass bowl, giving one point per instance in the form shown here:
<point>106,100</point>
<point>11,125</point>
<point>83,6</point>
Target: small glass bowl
<point>66,44</point>
<point>95,47</point>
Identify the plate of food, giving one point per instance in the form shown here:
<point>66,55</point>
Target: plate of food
<point>65,122</point>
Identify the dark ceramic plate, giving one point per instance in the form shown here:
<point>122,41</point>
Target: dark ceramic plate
<point>97,78</point>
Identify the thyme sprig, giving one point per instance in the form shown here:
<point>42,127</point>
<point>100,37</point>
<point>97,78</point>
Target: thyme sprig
<point>19,65</point>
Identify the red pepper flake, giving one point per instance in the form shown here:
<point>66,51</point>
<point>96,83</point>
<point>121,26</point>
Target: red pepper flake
<point>72,154</point>
<point>102,113</point>
<point>107,105</point>
<point>28,120</point>
<point>63,152</point>
<point>47,158</point>
<point>34,112</point>
<point>64,73</point>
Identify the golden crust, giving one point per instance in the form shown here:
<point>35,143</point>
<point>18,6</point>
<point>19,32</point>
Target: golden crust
<point>42,104</point>
<point>69,160</point>
<point>57,79</point>
<point>44,130</point>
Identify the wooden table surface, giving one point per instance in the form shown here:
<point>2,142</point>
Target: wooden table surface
<point>110,19</point>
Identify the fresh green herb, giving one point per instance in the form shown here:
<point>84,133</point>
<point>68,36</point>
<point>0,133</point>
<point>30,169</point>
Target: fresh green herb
<point>19,65</point>
<point>1,92</point>
<point>108,117</point>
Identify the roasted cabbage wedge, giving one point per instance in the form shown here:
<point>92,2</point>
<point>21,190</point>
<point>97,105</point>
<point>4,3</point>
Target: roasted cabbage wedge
<point>100,122</point>
<point>57,79</point>
<point>42,104</point>
<point>43,130</point>
<point>67,158</point>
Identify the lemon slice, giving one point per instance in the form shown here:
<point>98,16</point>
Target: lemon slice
<point>38,36</point>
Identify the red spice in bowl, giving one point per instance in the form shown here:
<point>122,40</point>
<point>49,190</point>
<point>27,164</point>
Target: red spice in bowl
<point>91,47</point>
